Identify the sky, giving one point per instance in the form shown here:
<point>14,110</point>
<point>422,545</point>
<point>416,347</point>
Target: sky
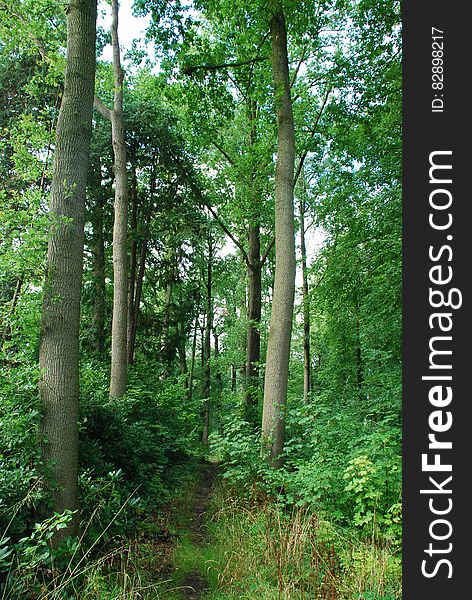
<point>129,26</point>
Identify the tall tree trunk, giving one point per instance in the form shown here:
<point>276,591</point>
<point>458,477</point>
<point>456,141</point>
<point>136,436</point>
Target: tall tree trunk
<point>133,251</point>
<point>140,276</point>
<point>168,349</point>
<point>98,266</point>
<point>59,345</point>
<point>194,351</point>
<point>359,369</point>
<point>233,378</point>
<point>253,342</point>
<point>137,301</point>
<point>254,270</point>
<point>218,375</point>
<point>7,323</point>
<point>207,344</point>
<point>305,299</point>
<point>278,348</point>
<point>181,349</point>
<point>119,363</point>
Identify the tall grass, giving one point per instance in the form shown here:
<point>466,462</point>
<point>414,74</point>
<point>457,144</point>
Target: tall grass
<point>266,553</point>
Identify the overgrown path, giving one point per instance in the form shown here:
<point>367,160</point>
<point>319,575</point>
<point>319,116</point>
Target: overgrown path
<point>194,583</point>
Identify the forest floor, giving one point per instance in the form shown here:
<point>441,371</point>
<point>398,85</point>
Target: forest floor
<point>193,583</point>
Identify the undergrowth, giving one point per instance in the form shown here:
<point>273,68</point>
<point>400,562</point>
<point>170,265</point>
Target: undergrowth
<point>269,553</point>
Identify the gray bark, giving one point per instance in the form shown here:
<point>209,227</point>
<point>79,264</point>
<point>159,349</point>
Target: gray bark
<point>59,345</point>
<point>207,345</point>
<point>278,348</point>
<point>98,265</point>
<point>306,300</point>
<point>119,326</point>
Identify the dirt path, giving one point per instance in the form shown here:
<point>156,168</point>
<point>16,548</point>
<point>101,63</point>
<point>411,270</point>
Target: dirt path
<point>194,583</point>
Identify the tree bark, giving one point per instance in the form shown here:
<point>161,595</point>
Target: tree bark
<point>133,253</point>
<point>254,271</point>
<point>140,275</point>
<point>98,266</point>
<point>233,378</point>
<point>306,301</point>
<point>7,323</point>
<point>218,375</point>
<point>207,344</point>
<point>278,348</point>
<point>359,369</point>
<point>119,363</point>
<point>194,350</point>
<point>59,344</point>
<point>253,342</point>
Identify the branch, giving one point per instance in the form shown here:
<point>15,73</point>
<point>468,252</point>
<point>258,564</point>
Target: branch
<point>228,232</point>
<point>102,109</point>
<point>267,251</point>
<point>205,202</point>
<point>251,61</point>
<point>300,62</point>
<point>224,153</point>
<point>313,131</point>
<point>251,70</point>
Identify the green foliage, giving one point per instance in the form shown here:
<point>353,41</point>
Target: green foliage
<point>265,551</point>
<point>201,133</point>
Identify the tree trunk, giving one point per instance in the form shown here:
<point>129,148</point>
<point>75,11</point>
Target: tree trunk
<point>119,363</point>
<point>98,267</point>
<point>218,375</point>
<point>140,276</point>
<point>194,351</point>
<point>181,349</point>
<point>233,378</point>
<point>207,345</point>
<point>137,301</point>
<point>254,270</point>
<point>306,301</point>
<point>59,346</point>
<point>7,323</point>
<point>133,253</point>
<point>359,369</point>
<point>278,348</point>
<point>253,343</point>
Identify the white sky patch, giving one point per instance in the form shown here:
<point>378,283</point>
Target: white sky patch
<point>129,28</point>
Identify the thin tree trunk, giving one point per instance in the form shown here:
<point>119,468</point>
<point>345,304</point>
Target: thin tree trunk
<point>359,369</point>
<point>218,376</point>
<point>253,342</point>
<point>194,351</point>
<point>278,348</point>
<point>98,268</point>
<point>137,301</point>
<point>7,329</point>
<point>59,344</point>
<point>119,363</point>
<point>140,276</point>
<point>306,301</point>
<point>233,378</point>
<point>182,352</point>
<point>254,270</point>
<point>207,345</point>
<point>167,344</point>
<point>133,251</point>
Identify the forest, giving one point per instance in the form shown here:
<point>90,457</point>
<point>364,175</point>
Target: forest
<point>200,299</point>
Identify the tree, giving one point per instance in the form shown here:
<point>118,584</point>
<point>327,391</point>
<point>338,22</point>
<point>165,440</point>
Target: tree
<point>119,329</point>
<point>278,347</point>
<point>59,348</point>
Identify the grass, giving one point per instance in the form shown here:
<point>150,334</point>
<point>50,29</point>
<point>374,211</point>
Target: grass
<point>260,552</point>
<point>252,552</point>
